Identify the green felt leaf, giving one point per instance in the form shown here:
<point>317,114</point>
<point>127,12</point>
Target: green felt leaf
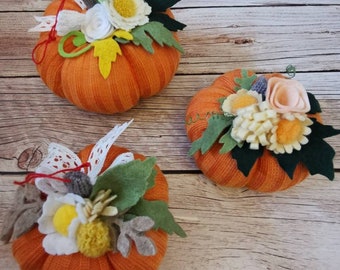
<point>162,5</point>
<point>246,157</point>
<point>170,23</point>
<point>142,36</point>
<point>228,142</point>
<point>318,156</point>
<point>158,211</point>
<point>151,180</point>
<point>216,125</point>
<point>79,39</point>
<point>246,81</point>
<point>314,104</point>
<point>128,181</point>
<point>323,131</point>
<point>288,162</point>
<point>122,40</point>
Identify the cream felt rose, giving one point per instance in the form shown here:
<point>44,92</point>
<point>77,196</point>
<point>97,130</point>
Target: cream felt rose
<point>286,95</point>
<point>96,24</point>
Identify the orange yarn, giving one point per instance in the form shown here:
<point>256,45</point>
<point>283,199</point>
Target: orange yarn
<point>30,255</point>
<point>135,74</point>
<point>266,174</point>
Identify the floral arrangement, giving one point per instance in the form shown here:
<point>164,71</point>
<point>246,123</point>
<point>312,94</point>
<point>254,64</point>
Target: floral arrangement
<point>272,114</point>
<point>105,25</point>
<point>81,208</point>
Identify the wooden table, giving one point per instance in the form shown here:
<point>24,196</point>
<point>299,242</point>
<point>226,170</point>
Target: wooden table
<point>227,228</point>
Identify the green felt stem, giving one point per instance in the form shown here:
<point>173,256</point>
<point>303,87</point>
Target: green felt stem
<point>64,54</point>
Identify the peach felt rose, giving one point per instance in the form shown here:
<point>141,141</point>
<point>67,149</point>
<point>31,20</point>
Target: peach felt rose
<point>286,95</point>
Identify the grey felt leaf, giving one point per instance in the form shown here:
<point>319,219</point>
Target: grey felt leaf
<point>124,244</point>
<point>17,221</point>
<point>26,220</point>
<point>145,246</point>
<point>142,224</point>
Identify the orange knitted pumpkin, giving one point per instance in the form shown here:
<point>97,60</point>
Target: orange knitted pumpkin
<point>107,74</point>
<point>138,249</point>
<point>247,131</point>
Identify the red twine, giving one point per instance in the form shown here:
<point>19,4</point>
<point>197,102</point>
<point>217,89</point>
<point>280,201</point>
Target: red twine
<point>51,37</point>
<point>32,176</point>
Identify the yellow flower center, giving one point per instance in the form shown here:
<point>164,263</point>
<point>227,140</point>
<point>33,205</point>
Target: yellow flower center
<point>289,131</point>
<point>126,8</point>
<point>63,218</point>
<point>242,102</point>
<point>93,239</point>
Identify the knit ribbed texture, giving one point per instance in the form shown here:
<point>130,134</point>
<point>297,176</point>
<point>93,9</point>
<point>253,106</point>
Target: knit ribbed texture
<point>30,255</point>
<point>135,74</point>
<point>266,174</point>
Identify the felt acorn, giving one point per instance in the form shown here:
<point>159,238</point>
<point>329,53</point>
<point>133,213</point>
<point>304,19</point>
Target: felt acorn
<point>260,132</point>
<point>114,216</point>
<point>104,56</point>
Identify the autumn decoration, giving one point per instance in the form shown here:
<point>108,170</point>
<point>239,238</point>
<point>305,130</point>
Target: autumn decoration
<point>105,208</point>
<point>260,132</point>
<point>105,55</point>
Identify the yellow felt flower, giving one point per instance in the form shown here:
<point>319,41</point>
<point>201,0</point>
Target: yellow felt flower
<point>253,124</point>
<point>93,239</point>
<point>243,98</point>
<point>290,133</point>
<point>127,14</point>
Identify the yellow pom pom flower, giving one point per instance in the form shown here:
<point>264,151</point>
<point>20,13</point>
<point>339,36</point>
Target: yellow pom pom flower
<point>290,133</point>
<point>93,239</point>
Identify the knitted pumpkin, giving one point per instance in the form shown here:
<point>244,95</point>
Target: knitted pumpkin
<point>263,133</point>
<point>106,55</point>
<point>108,213</point>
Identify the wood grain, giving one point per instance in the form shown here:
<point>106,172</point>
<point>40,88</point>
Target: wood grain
<point>227,228</point>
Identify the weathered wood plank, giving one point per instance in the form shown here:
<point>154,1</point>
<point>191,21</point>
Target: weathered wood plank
<point>238,229</point>
<point>32,117</point>
<point>29,5</point>
<point>265,39</point>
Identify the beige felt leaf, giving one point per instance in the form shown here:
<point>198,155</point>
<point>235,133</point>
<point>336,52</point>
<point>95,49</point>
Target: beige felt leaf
<point>106,50</point>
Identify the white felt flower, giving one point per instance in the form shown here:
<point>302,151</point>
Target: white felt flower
<point>127,14</point>
<point>96,24</point>
<point>241,99</point>
<point>60,221</point>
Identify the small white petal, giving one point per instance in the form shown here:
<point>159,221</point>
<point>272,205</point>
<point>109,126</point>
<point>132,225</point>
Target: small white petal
<point>56,244</point>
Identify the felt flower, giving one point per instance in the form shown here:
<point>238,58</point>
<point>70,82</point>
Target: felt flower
<point>286,95</point>
<point>243,98</point>
<point>253,124</point>
<point>93,239</point>
<point>127,14</point>
<point>96,24</point>
<point>290,133</point>
<point>59,221</point>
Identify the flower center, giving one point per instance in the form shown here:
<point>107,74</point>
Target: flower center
<point>242,102</point>
<point>289,131</point>
<point>63,218</point>
<point>125,8</point>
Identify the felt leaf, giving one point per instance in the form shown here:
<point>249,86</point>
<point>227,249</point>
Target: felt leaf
<point>79,39</point>
<point>314,104</point>
<point>163,5</point>
<point>142,224</point>
<point>158,211</point>
<point>145,246</point>
<point>246,81</point>
<point>170,23</point>
<point>288,162</point>
<point>123,34</point>
<point>158,33</point>
<point>151,180</point>
<point>106,50</point>
<point>216,125</point>
<point>245,157</point>
<point>124,244</point>
<point>128,181</point>
<point>26,220</point>
<point>228,142</point>
<point>318,156</point>
<point>323,131</point>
